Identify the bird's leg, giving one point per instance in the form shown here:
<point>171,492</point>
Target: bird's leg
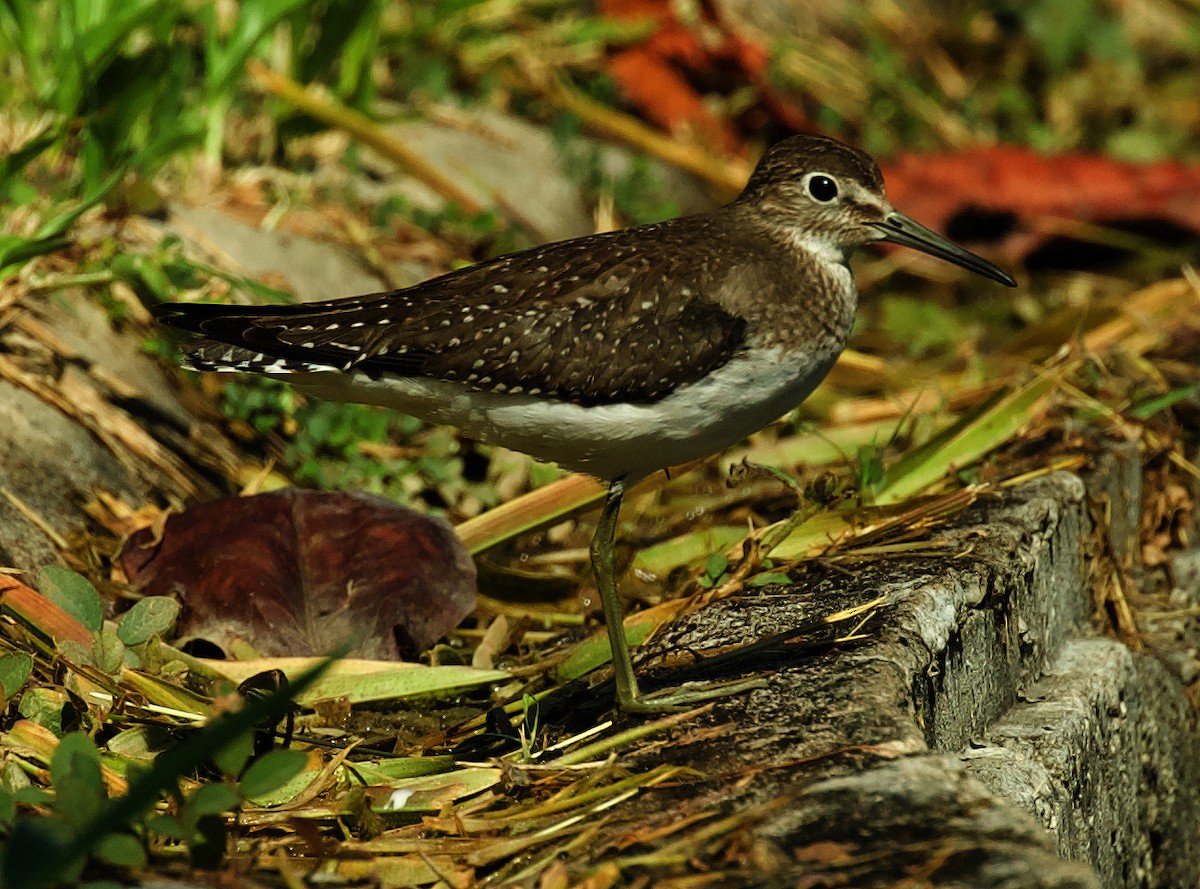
<point>604,565</point>
<point>629,698</point>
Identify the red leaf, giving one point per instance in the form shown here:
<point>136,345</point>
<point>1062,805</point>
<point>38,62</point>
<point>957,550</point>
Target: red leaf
<point>299,572</point>
<point>936,189</point>
<point>662,93</point>
<point>657,74</point>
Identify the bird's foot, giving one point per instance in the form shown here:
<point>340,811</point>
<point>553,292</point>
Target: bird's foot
<point>673,700</point>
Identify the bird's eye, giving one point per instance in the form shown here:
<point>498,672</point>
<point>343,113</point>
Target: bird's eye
<point>822,188</point>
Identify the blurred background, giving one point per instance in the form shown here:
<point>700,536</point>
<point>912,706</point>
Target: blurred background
<point>275,150</point>
<point>271,150</point>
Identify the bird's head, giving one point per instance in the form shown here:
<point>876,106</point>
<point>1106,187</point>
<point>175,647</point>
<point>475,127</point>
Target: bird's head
<point>828,197</point>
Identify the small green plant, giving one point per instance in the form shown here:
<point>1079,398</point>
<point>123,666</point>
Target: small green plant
<point>767,577</point>
<point>120,86</point>
<point>263,404</point>
<point>715,569</point>
<point>870,470</point>
<point>484,232</point>
<point>113,645</point>
<point>77,831</point>
<point>528,731</point>
<point>337,446</point>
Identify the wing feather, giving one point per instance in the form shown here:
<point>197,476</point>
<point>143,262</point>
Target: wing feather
<point>592,321</point>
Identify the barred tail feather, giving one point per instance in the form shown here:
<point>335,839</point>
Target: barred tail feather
<point>250,339</point>
<point>210,355</point>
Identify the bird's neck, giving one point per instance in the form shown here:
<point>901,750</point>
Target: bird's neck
<point>801,291</point>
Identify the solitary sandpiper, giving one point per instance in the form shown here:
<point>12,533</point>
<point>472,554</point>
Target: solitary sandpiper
<point>617,354</point>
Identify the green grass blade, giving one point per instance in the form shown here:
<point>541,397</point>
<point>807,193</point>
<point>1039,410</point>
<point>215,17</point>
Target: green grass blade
<point>58,853</point>
<point>254,20</point>
<point>406,681</point>
<point>965,442</point>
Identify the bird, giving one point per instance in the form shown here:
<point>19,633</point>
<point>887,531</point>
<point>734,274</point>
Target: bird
<point>618,354</point>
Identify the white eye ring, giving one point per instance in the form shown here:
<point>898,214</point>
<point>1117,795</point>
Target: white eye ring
<point>821,187</point>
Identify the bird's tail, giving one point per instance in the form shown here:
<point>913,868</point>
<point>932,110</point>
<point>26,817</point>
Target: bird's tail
<point>243,339</point>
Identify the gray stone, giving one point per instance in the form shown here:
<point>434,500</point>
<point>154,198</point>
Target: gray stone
<point>501,160</point>
<point>313,269</point>
<point>87,401</point>
<point>908,814</point>
<point>53,466</point>
<point>1101,755</point>
<point>984,714</point>
<point>504,161</point>
<point>1185,569</point>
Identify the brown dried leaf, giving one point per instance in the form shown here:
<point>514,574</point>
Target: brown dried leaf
<point>299,572</point>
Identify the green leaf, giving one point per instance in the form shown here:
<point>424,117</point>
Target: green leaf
<point>15,669</point>
<point>254,20</point>
<point>162,776</point>
<point>687,549</point>
<point>1148,409</point>
<point>594,651</point>
<point>209,799</point>
<point>994,423</point>
<point>231,757</point>
<point>430,793</point>
<point>44,706</point>
<point>151,616</point>
<point>138,742</point>
<point>401,767</point>
<point>102,38</point>
<point>8,808</point>
<point>769,577</point>
<point>715,565</point>
<point>287,791</point>
<point>272,770</point>
<point>13,777</point>
<point>52,235</point>
<point>167,826</point>
<point>404,681</point>
<point>32,796</point>
<point>41,842</point>
<point>870,468</point>
<point>142,274</point>
<point>73,593</point>
<point>121,850</point>
<point>77,653</point>
<point>78,784</point>
<point>14,162</point>
<point>108,650</point>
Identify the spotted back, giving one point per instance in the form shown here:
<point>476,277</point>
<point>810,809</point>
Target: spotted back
<point>615,317</point>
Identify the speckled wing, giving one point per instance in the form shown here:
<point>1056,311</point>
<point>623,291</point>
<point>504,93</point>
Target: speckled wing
<point>591,321</point>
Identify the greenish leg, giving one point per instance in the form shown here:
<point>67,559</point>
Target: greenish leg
<point>629,698</point>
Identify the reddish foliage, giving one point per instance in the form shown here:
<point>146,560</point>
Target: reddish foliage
<point>37,611</point>
<point>657,75</point>
<point>1014,190</point>
<point>1009,180</point>
<point>299,572</point>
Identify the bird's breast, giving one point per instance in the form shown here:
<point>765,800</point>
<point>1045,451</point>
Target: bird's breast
<point>632,440</point>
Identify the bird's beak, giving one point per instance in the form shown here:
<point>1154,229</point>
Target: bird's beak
<point>899,229</point>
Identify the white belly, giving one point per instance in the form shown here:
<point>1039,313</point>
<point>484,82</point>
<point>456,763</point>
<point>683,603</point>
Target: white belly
<point>606,441</point>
